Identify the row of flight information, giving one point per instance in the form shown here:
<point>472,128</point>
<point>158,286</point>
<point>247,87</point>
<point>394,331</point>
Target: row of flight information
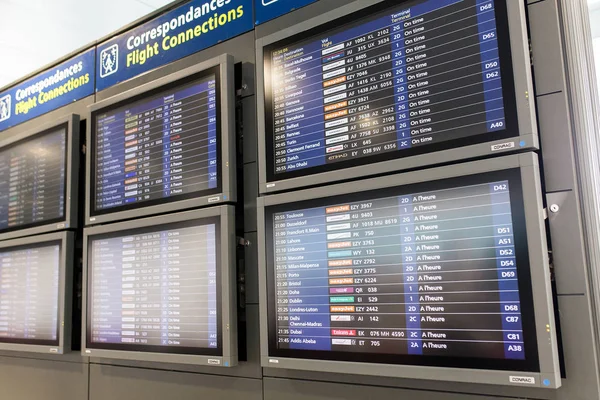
<point>402,79</point>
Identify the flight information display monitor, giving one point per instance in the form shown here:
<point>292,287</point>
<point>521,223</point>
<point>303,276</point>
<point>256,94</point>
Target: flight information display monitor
<point>35,179</point>
<point>429,274</point>
<point>32,293</point>
<point>157,289</point>
<point>418,77</point>
<point>159,147</point>
<point>29,296</point>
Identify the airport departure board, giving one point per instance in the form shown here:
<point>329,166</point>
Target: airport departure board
<point>421,76</point>
<point>32,181</point>
<point>434,274</point>
<point>163,147</point>
<point>155,289</point>
<point>29,294</point>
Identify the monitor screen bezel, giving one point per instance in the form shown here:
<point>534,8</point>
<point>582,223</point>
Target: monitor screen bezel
<point>226,356</point>
<point>69,220</point>
<point>205,351</point>
<point>516,82</point>
<point>545,338</point>
<point>222,68</point>
<point>62,345</point>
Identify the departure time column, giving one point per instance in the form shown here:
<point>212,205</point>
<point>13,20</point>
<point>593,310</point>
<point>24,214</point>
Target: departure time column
<point>107,291</point>
<point>110,152</point>
<point>297,106</point>
<point>7,314</point>
<point>17,189</point>
<point>302,291</point>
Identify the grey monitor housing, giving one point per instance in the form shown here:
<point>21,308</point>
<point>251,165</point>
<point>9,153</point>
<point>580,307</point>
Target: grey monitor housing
<point>72,152</point>
<point>65,284</point>
<point>549,377</point>
<point>523,85</point>
<point>228,285</point>
<point>227,138</point>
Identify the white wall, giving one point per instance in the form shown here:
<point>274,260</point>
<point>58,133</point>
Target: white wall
<point>34,33</point>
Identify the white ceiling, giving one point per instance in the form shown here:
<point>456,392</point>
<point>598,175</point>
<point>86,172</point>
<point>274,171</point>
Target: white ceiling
<point>34,33</point>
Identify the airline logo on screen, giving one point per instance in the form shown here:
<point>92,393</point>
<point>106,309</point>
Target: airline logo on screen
<point>56,87</point>
<point>178,33</point>
<point>267,10</point>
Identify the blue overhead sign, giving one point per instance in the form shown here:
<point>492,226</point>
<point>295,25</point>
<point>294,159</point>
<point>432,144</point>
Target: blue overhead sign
<point>183,31</point>
<point>56,87</point>
<point>270,9</point>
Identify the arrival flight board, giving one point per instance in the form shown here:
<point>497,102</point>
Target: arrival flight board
<point>431,273</point>
<point>153,289</point>
<point>158,148</point>
<point>29,294</point>
<point>399,83</point>
<point>32,181</point>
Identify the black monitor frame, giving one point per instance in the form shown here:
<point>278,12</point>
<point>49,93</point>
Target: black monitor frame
<point>521,133</point>
<point>226,355</point>
<point>222,68</point>
<point>72,158</point>
<point>544,371</point>
<point>66,240</point>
